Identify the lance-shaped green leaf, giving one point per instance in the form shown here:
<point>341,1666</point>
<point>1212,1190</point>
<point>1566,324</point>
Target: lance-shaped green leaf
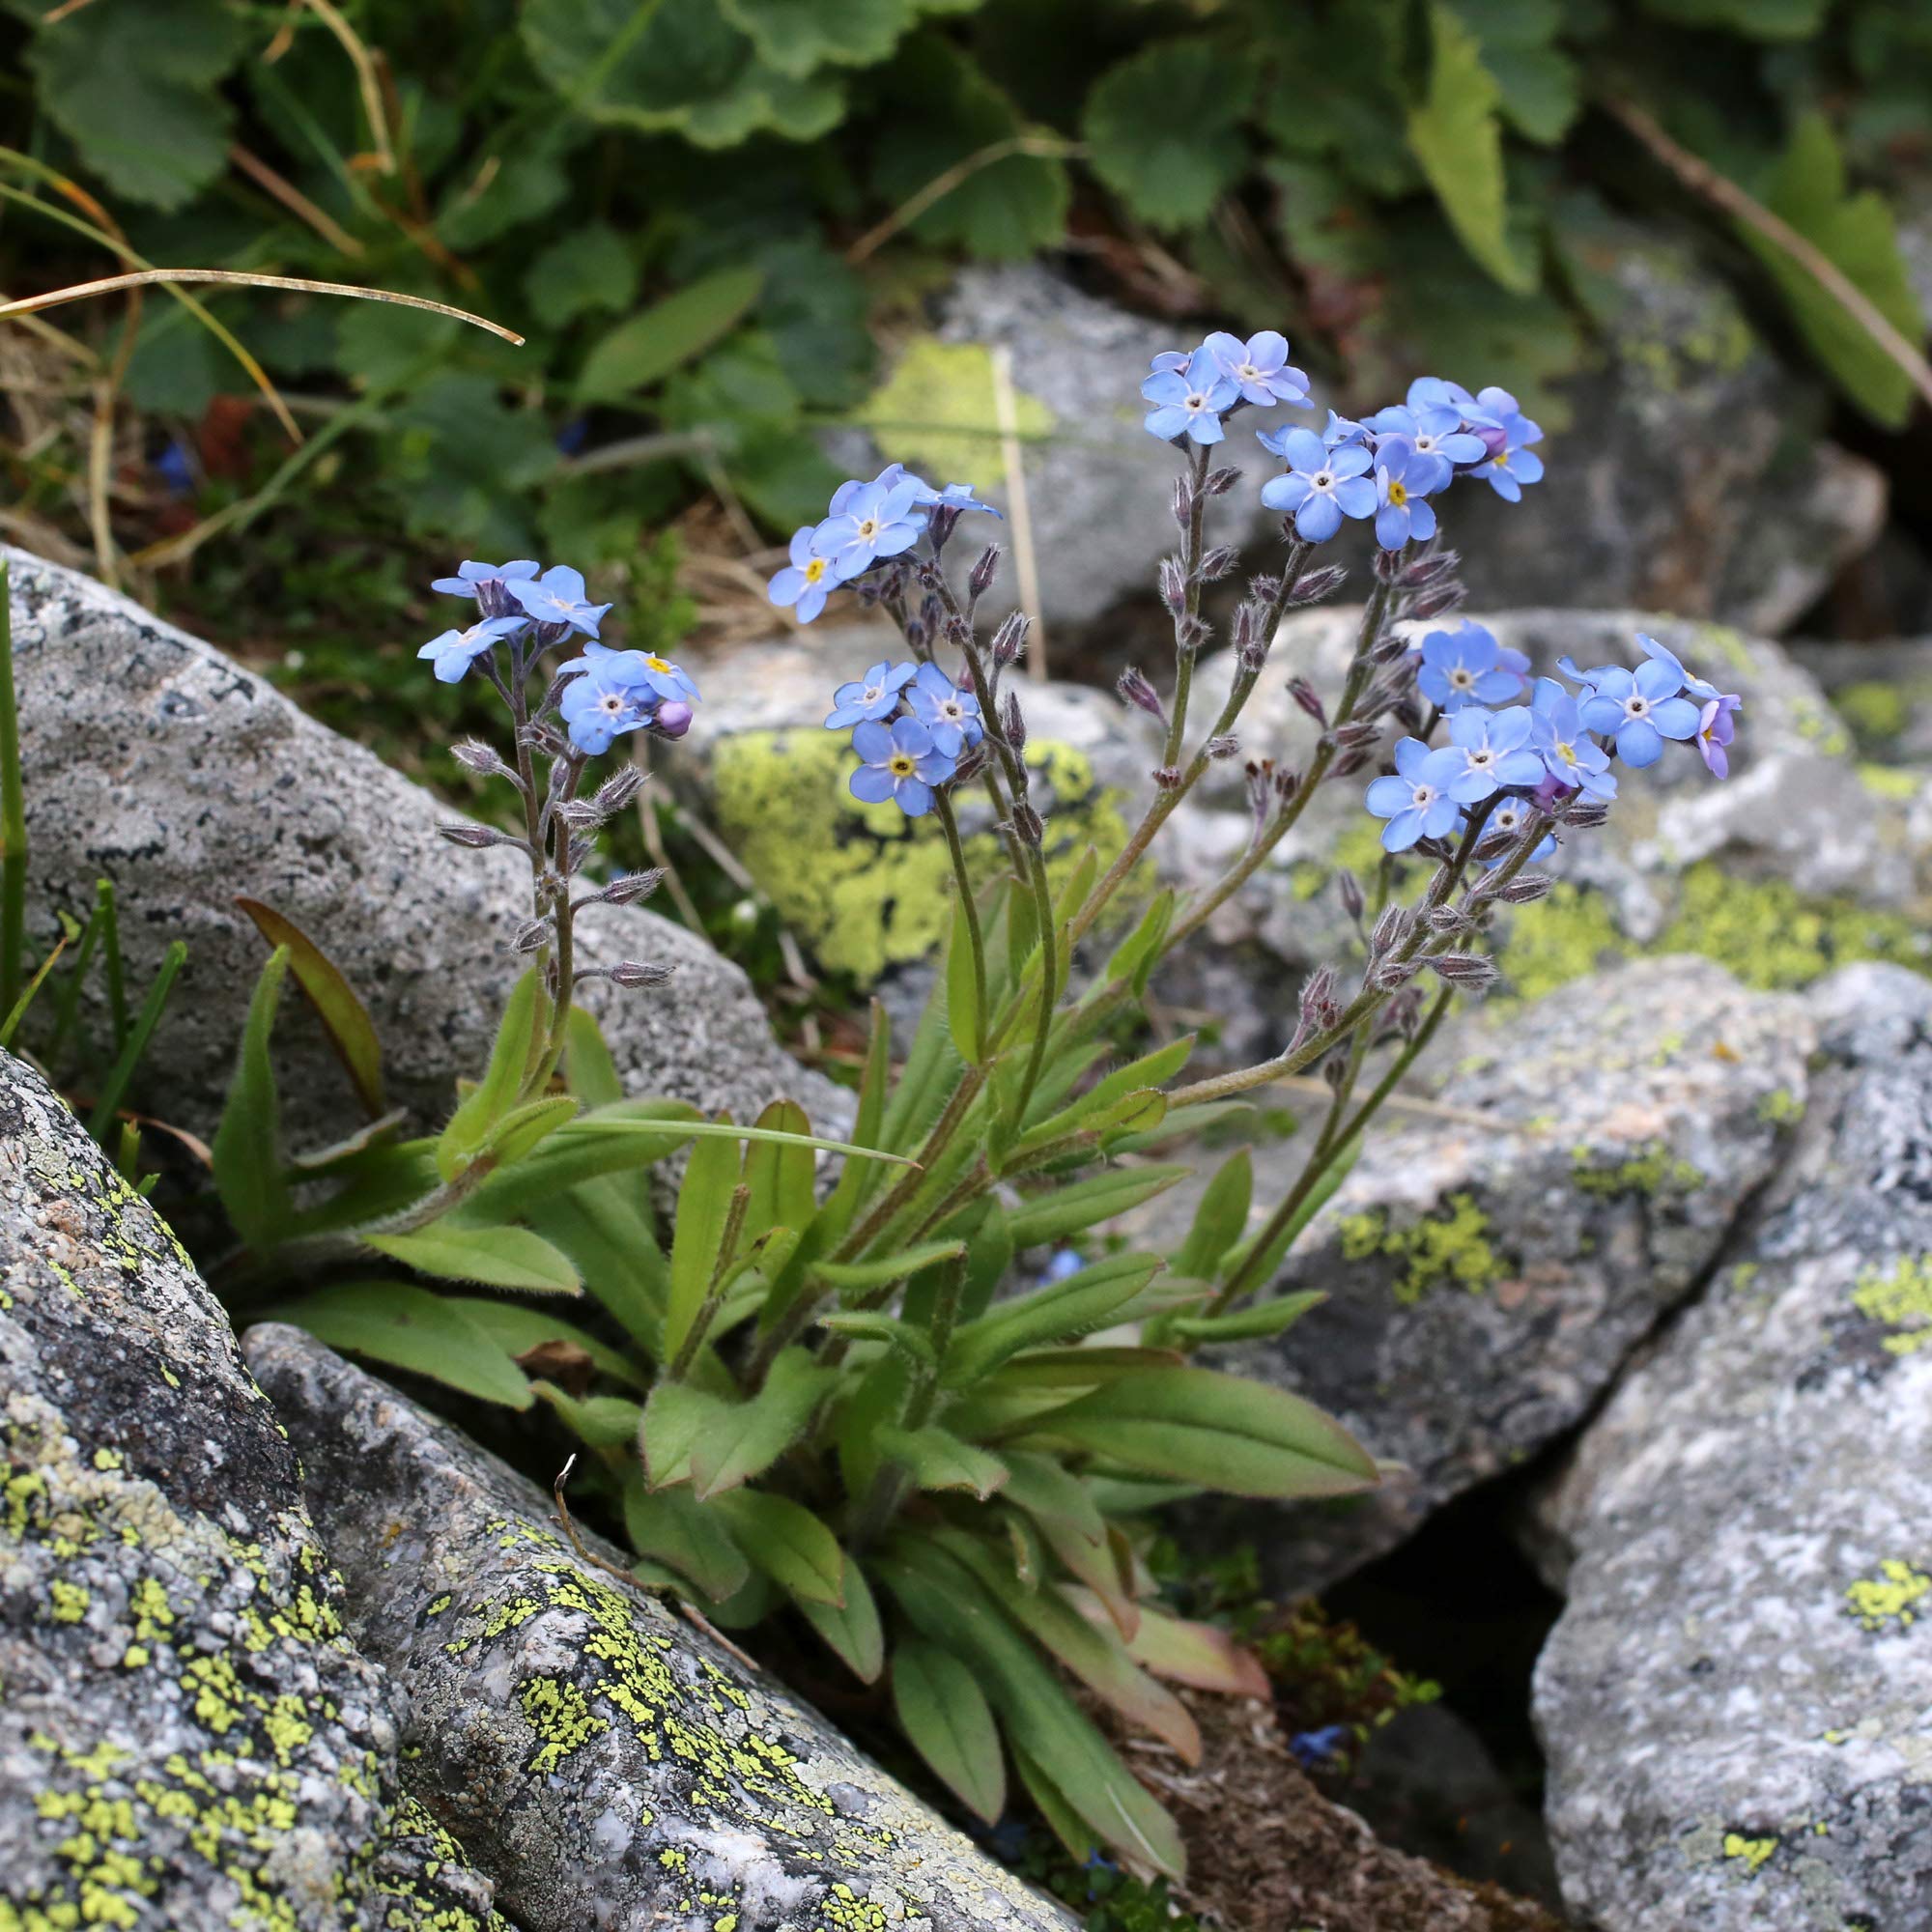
<point>962,994</point>
<point>344,1018</point>
<point>518,1329</point>
<point>937,1459</point>
<point>523,1129</point>
<point>1087,1366</point>
<point>247,1145</point>
<point>889,1269</point>
<point>588,1069</point>
<point>413,1328</point>
<point>598,1421</point>
<point>1184,1652</point>
<point>647,348</point>
<point>869,1326</point>
<point>495,1256</point>
<point>747,1437</point>
<point>1219,1219</point>
<point>1059,1312</point>
<point>858,1177</point>
<point>1200,1426</point>
<point>1069,1210</point>
<point>674,1528</point>
<point>613,1250</point>
<point>1133,960</point>
<point>946,1719</point>
<point>780,1173</point>
<point>789,1543</point>
<point>1078,1838</point>
<point>496,1093</point>
<point>1260,1322</point>
<point>704,1220</point>
<point>1272,1251</point>
<point>1095,1655</point>
<point>622,1137</point>
<point>948,1606</point>
<point>852,1629</point>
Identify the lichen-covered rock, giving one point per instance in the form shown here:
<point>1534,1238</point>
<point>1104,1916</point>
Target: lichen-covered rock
<point>186,1736</point>
<point>863,887</point>
<point>1488,1274</point>
<point>1735,1703</point>
<point>1692,474</point>
<point>606,1763</point>
<point>152,759</point>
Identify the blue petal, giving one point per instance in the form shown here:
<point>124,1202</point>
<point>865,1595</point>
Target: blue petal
<point>1319,518</point>
<point>871,784</point>
<point>1639,743</point>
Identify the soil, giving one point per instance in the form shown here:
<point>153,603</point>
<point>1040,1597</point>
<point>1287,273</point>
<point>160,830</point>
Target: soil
<point>1268,1852</point>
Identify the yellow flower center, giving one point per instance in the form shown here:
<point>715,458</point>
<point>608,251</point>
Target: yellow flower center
<point>657,664</point>
<point>870,528</point>
<point>1567,753</point>
<point>900,765</point>
<point>814,569</point>
<point>1398,494</point>
<point>1501,459</point>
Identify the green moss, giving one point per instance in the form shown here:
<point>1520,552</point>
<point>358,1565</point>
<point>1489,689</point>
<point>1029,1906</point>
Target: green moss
<point>1892,1598</point>
<point>1656,1170</point>
<point>861,885</point>
<point>1449,1248</point>
<point>1898,1298</point>
<point>1560,938</point>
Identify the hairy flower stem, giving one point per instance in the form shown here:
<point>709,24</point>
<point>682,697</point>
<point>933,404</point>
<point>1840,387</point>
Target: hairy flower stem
<point>563,920</point>
<point>1185,647</point>
<point>1376,614</point>
<point>1244,1280</point>
<point>968,908</point>
<point>1164,802</point>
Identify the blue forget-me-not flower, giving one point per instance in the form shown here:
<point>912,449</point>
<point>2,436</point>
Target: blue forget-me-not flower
<point>1321,486</point>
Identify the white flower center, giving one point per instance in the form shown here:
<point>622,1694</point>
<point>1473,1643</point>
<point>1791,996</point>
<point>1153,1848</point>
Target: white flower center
<point>1425,444</point>
<point>1248,373</point>
<point>1324,481</point>
<point>1462,678</point>
<point>1422,797</point>
<point>1637,705</point>
<point>872,694</point>
<point>1480,759</point>
<point>868,528</point>
<point>1196,404</point>
<point>611,703</point>
<point>953,711</point>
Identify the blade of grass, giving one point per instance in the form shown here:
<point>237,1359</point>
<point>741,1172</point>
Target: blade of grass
<point>110,1101</point>
<point>111,960</point>
<point>12,816</point>
<point>18,1011</point>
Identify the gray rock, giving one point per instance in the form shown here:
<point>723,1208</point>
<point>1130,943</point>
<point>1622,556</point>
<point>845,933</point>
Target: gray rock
<point>1883,692</point>
<point>610,1764</point>
<point>186,1736</point>
<point>1692,477</point>
<point>1488,1274</point>
<point>152,759</point>
<point>1734,1704</point>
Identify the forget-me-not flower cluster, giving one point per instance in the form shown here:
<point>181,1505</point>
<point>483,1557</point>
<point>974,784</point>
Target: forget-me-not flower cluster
<point>911,726</point>
<point>604,694</point>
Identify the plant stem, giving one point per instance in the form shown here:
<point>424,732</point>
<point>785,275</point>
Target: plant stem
<point>1185,650</point>
<point>968,910</point>
<point>12,819</point>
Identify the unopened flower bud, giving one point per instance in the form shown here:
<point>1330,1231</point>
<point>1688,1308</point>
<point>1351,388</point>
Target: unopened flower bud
<point>630,973</point>
<point>671,719</point>
<point>1525,890</point>
<point>1167,778</point>
<point>1027,824</point>
<point>1335,1070</point>
<point>1585,813</point>
<point>1493,845</point>
<point>475,836</point>
<point>632,889</point>
<point>1357,733</point>
<point>1183,502</point>
<point>1351,888</point>
<point>972,762</point>
<point>915,635</point>
<point>1420,572</point>
<point>546,738</point>
<point>619,789</point>
<point>1218,563</point>
<point>1224,748</point>
<point>1286,783</point>
<point>1446,919</point>
<point>529,935</point>
<point>1437,600</point>
<point>1135,690</point>
<point>1254,659</point>
<point>1010,639</point>
<point>1319,1005</point>
<point>581,815</point>
<point>985,567</point>
<point>1348,764</point>
<point>549,635</point>
<point>1389,648</point>
<point>477,758</point>
<point>1403,1013</point>
<point>1392,974</point>
<point>942,520</point>
<point>1315,584</point>
<point>1408,714</point>
<point>1173,581</point>
<point>1218,482</point>
<point>1389,931</point>
<point>1264,589</point>
<point>1470,970</point>
<point>1388,565</point>
<point>1250,633</point>
<point>1191,633</point>
<point>1013,721</point>
<point>1309,699</point>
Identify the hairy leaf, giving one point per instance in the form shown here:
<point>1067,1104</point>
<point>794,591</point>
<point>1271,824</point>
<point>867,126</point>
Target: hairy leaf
<point>413,1328</point>
<point>946,1718</point>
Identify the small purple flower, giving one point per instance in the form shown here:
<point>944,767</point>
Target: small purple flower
<point>599,703</point>
<point>455,651</point>
<point>1571,757</point>
<point>1494,746</point>
<point>1497,417</point>
<point>556,597</point>
<point>869,522</point>
<point>1190,402</point>
<point>902,763</point>
<point>1259,367</point>
<point>1323,485</point>
<point>806,581</point>
<point>874,696</point>
<point>951,716</point>
<point>1400,485</point>
<point>1417,801</point>
<point>1313,1749</point>
<point>1439,440</point>
<point>489,585</point>
<point>1717,727</point>
<point>671,719</point>
<point>1466,665</point>
<point>1507,470</point>
<point>1640,709</point>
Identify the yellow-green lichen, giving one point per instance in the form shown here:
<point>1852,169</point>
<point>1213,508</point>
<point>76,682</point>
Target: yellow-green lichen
<point>1780,1108</point>
<point>1753,1854</point>
<point>1448,1248</point>
<point>1653,1170</point>
<point>1874,708</point>
<point>1899,1299</point>
<point>1891,1600</point>
<point>861,885</point>
<point>1895,785</point>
